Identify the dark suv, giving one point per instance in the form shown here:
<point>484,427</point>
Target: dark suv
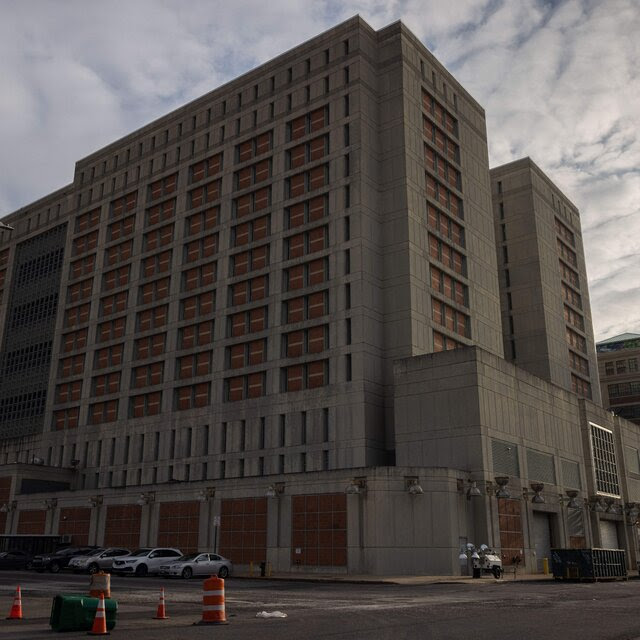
<point>60,559</point>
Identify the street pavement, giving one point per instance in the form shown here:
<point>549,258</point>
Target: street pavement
<point>465,609</point>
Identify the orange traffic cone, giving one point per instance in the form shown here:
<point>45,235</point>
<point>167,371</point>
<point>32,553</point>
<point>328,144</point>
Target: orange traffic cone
<point>161,613</point>
<point>100,621</point>
<point>16,608</point>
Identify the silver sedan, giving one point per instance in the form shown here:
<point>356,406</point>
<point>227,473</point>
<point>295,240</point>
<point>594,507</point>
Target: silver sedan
<point>196,564</point>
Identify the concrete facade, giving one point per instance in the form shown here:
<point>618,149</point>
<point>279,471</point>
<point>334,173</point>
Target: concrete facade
<point>278,316</point>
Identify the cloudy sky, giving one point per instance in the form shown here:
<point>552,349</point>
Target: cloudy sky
<point>559,81</point>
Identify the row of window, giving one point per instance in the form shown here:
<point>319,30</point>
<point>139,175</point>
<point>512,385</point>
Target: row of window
<point>621,366</point>
<point>624,389</point>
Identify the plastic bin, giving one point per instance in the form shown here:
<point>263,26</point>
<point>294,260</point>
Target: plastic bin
<point>73,612</point>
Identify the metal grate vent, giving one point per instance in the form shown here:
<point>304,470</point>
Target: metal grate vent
<point>604,461</point>
<point>633,464</point>
<point>571,474</point>
<point>505,458</point>
<point>540,466</point>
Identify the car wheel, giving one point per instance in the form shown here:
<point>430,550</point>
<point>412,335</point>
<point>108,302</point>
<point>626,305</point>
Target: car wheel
<point>223,572</point>
<point>187,572</point>
<point>497,572</point>
<point>142,570</point>
<point>94,567</point>
<point>54,567</point>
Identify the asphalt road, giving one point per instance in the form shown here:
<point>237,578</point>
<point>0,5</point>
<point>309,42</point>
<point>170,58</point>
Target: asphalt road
<point>482,610</point>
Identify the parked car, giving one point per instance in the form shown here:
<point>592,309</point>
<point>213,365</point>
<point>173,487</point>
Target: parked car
<point>15,559</point>
<point>196,564</point>
<point>60,559</point>
<point>97,560</point>
<point>144,561</point>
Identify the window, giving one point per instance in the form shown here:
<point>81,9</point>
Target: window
<point>309,307</point>
<point>307,152</point>
<point>195,335</point>
<point>79,291</point>
<point>448,256</point>
<point>205,168</point>
<point>157,238</point>
<point>123,205</point>
<point>621,366</point>
<point>68,392</point>
<point>66,418</point>
<point>105,384</point>
<point>156,264</point>
<point>116,303</point>
<point>249,290</point>
<point>252,385</point>
<point>200,305</point>
<point>111,330</point>
<point>192,365</point>
<point>163,187</point>
<point>148,404</point>
<point>204,194</point>
<point>83,266</point>
<point>154,291</point>
<point>202,248</point>
<point>197,277</point>
<point>309,375</point>
<point>103,412</point>
<point>305,341</point>
<point>254,147</point>
<point>85,243</point>
<point>202,221</point>
<point>193,396</point>
<point>308,123</point>
<point>604,460</point>
<point>149,346</point>
<point>151,318</point>
<point>118,253</point>
<point>307,274</point>
<point>306,181</point>
<point>108,357</point>
<point>608,368</point>
<point>251,202</point>
<point>246,354</point>
<point>116,278</point>
<point>73,317</point>
<point>305,212</point>
<point>251,321</point>
<point>449,287</point>
<point>444,343</point>
<point>450,318</point>
<point>247,232</point>
<point>160,212</point>
<point>87,220</point>
<point>253,174</point>
<point>250,260</point>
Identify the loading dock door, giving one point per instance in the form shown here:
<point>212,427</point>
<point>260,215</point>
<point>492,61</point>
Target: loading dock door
<point>609,535</point>
<point>541,542</point>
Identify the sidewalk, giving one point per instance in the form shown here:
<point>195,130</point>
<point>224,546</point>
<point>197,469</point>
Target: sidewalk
<point>401,580</point>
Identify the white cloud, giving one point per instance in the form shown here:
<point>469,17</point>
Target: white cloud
<point>559,82</point>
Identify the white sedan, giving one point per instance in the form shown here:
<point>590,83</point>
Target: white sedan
<point>196,564</point>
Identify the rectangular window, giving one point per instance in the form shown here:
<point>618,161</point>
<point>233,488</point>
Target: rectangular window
<point>604,461</point>
<point>309,375</point>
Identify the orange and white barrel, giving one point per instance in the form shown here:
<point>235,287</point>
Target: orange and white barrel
<point>213,611</point>
<point>100,584</point>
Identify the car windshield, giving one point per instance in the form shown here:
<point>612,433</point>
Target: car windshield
<point>67,552</point>
<point>141,552</point>
<point>95,552</point>
<point>188,557</point>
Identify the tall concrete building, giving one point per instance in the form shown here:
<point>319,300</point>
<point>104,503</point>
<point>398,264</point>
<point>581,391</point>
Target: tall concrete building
<point>270,322</point>
<point>546,314</point>
<point>618,359</point>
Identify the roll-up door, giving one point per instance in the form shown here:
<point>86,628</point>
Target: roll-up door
<point>541,531</point>
<point>609,535</point>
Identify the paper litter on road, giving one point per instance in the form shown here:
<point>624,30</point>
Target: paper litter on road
<point>271,614</point>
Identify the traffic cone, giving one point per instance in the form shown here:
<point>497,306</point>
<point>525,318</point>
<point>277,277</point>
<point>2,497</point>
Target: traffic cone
<point>16,608</point>
<point>161,613</point>
<point>100,621</point>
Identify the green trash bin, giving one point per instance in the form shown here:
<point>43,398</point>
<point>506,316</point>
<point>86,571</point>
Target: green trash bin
<point>74,612</point>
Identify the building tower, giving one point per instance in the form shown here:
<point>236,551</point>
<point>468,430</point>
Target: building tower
<point>546,314</point>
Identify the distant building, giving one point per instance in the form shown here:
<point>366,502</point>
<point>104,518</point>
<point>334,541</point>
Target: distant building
<point>618,362</point>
